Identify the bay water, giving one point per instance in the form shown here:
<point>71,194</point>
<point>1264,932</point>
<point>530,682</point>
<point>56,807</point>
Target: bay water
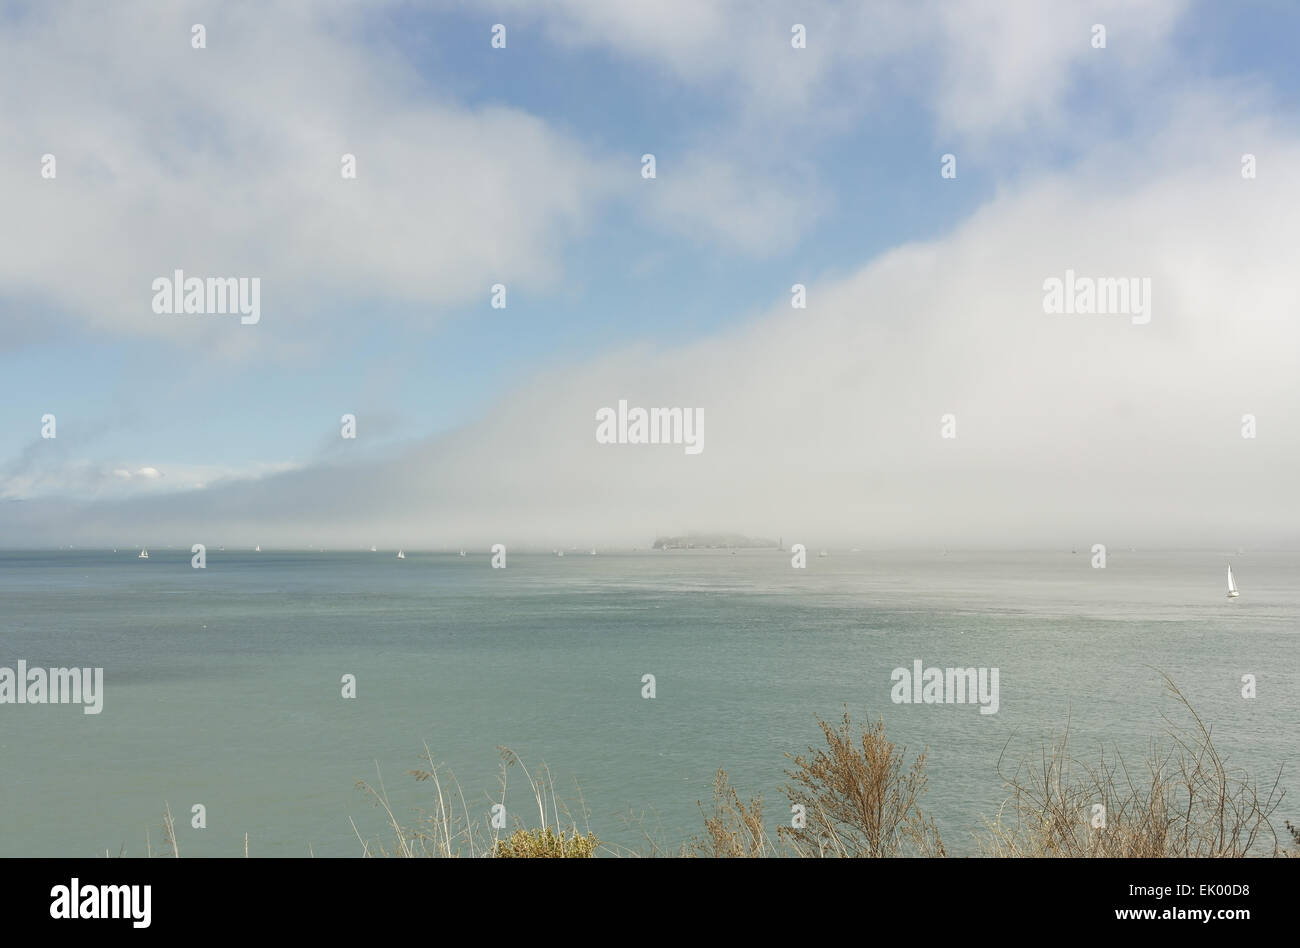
<point>223,686</point>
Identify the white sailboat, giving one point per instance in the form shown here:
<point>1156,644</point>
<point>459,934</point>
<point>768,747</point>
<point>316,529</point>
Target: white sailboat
<point>462,552</point>
<point>372,548</point>
<point>1232,585</point>
<point>401,555</point>
<point>258,548</point>
<point>144,555</point>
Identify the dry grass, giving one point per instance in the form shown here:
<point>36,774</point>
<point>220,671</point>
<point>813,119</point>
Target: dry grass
<point>734,829</point>
<point>450,828</point>
<point>169,831</point>
<point>861,798</point>
<point>1181,800</point>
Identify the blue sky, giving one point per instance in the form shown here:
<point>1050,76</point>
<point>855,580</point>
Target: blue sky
<point>834,159</point>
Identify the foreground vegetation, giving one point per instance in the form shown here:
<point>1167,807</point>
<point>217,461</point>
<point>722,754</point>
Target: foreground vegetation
<point>859,796</point>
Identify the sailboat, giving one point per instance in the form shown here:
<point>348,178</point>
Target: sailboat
<point>258,548</point>
<point>372,548</point>
<point>462,552</point>
<point>1232,586</point>
<point>401,555</point>
<point>144,555</point>
<point>593,551</point>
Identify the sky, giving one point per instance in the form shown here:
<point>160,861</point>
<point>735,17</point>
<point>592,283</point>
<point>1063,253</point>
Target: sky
<point>922,397</point>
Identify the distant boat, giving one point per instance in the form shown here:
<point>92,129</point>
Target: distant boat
<point>822,553</point>
<point>258,548</point>
<point>1232,586</point>
<point>559,552</point>
<point>462,552</point>
<point>401,555</point>
<point>144,555</point>
<point>593,551</point>
<point>372,548</point>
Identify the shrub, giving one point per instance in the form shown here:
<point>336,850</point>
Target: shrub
<point>859,797</point>
<point>1183,800</point>
<point>545,844</point>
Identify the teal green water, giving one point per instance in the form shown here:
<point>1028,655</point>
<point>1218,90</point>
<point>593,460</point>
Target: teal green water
<point>223,685</point>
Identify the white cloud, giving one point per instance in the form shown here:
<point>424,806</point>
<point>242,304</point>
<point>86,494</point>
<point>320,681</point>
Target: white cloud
<point>825,423</point>
<point>979,67</point>
<point>979,73</point>
<point>707,200</point>
<point>226,161</point>
<point>1010,65</point>
<point>44,471</point>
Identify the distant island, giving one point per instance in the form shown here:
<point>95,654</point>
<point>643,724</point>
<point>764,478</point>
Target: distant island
<point>714,541</point>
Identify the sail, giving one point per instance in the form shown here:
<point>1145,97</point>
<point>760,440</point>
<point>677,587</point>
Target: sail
<point>1232,586</point>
